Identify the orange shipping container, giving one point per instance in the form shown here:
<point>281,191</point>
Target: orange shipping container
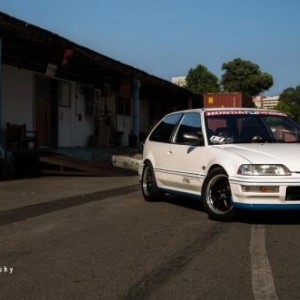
<point>226,100</point>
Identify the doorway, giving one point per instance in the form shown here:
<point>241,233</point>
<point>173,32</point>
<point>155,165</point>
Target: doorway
<point>46,111</point>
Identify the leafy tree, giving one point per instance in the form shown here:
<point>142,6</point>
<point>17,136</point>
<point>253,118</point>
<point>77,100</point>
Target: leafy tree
<point>245,77</point>
<point>200,81</point>
<point>289,102</point>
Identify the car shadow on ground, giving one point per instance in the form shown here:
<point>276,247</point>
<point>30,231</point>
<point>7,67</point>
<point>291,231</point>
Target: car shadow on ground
<point>193,203</point>
<point>267,217</point>
<point>278,217</point>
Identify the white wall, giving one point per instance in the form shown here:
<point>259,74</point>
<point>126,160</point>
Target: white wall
<point>17,97</point>
<point>75,126</point>
<point>124,124</point>
<point>18,107</point>
<point>81,123</point>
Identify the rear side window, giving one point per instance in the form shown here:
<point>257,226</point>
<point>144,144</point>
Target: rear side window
<point>163,131</point>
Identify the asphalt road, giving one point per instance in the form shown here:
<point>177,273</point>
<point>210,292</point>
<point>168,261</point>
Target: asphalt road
<point>110,244</point>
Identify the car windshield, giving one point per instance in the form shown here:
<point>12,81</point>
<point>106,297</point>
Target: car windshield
<point>245,126</point>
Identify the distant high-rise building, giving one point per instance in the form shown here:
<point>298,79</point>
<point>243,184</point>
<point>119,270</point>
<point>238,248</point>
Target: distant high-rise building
<point>267,102</point>
<point>180,80</point>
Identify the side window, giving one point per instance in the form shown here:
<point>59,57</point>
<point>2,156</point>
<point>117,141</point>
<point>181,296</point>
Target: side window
<point>190,123</point>
<point>163,131</point>
<point>283,129</point>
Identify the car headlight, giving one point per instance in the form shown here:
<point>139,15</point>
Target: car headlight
<point>264,170</point>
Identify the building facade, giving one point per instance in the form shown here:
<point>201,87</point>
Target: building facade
<point>267,102</point>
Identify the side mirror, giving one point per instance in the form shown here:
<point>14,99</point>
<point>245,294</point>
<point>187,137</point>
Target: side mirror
<point>193,138</point>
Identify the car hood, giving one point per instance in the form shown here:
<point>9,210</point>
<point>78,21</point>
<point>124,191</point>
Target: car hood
<point>267,153</point>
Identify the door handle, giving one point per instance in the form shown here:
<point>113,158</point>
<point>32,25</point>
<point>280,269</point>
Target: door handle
<point>170,151</point>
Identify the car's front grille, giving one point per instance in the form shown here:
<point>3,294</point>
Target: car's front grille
<point>292,193</point>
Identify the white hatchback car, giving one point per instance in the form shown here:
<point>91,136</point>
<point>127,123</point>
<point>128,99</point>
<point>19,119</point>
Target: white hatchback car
<point>230,158</point>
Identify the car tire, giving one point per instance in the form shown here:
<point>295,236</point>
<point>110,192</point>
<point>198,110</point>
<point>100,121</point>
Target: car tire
<point>216,196</point>
<point>148,182</point>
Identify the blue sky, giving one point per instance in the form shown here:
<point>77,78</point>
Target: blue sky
<point>166,38</point>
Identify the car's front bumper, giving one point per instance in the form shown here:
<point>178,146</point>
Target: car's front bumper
<point>266,192</point>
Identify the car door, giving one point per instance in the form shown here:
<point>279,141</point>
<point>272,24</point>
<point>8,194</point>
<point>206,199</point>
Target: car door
<point>183,162</point>
<point>158,145</point>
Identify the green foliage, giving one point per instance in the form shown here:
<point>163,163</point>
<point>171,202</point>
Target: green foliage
<point>200,81</point>
<point>245,77</point>
<point>289,102</point>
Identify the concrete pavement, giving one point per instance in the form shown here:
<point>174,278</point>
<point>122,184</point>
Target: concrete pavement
<point>18,193</point>
<point>24,192</point>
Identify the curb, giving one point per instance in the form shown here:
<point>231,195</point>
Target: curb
<point>126,162</point>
